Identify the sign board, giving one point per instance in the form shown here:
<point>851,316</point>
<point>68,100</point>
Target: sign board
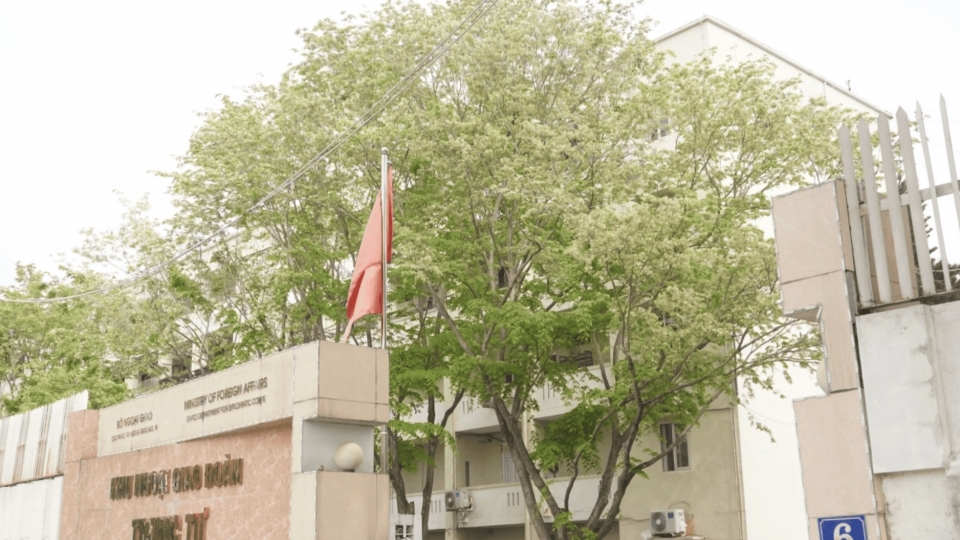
<point>252,393</point>
<point>842,528</point>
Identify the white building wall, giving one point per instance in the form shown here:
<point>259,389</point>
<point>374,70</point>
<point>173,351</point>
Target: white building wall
<point>771,473</point>
<point>31,511</point>
<point>772,490</point>
<point>772,486</point>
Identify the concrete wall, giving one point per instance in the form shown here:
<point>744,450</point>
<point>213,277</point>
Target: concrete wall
<point>911,370</point>
<point>908,426</point>
<point>31,511</point>
<point>919,505</point>
<point>708,491</point>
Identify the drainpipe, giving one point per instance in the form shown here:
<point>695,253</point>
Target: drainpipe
<point>737,453</point>
<point>528,532</point>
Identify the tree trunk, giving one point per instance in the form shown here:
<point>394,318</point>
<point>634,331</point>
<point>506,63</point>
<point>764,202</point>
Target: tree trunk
<point>522,462</point>
<point>396,478</point>
<point>432,444</point>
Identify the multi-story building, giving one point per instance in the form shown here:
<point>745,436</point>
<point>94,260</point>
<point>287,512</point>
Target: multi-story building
<point>730,479</point>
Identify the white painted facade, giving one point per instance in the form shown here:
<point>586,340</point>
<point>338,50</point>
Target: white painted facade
<point>772,491</point>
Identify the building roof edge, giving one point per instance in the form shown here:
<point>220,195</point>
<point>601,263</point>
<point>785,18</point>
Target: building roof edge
<point>773,52</point>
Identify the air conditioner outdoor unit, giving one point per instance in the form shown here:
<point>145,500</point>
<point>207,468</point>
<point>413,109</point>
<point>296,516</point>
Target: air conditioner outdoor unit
<point>457,500</point>
<point>668,522</point>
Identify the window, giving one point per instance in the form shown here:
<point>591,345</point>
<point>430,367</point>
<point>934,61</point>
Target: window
<point>661,130</point>
<point>679,457</point>
<point>581,359</point>
<point>508,471</point>
<point>466,474</point>
<point>503,279</point>
<point>180,366</point>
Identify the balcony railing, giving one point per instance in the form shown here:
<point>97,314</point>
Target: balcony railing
<point>891,243</point>
<point>474,417</point>
<point>552,403</point>
<point>437,511</point>
<point>502,505</point>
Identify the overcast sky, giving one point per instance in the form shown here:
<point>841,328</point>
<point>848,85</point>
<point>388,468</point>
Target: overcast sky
<point>96,95</point>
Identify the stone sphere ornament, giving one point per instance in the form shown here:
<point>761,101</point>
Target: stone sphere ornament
<point>349,456</point>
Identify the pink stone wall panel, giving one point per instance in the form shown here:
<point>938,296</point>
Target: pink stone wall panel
<point>383,506</point>
<point>82,429</point>
<point>70,503</point>
<point>808,233</point>
<point>837,479</point>
<point>843,214</point>
<point>259,508</point>
<point>336,409</point>
<point>830,293</point>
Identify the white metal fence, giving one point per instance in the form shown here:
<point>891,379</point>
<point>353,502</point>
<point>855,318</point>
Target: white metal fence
<point>891,234</point>
<point>32,444</point>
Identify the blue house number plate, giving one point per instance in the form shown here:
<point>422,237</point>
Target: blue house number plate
<point>843,528</point>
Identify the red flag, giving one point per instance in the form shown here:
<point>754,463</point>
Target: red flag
<point>366,287</point>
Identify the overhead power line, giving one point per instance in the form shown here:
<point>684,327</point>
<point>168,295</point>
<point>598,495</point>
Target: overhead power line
<point>371,114</point>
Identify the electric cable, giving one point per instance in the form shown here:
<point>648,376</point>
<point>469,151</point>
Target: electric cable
<point>441,49</point>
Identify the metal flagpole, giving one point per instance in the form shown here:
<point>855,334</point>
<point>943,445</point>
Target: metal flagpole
<point>384,165</point>
<point>384,198</point>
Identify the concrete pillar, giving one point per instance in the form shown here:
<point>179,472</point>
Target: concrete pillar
<point>340,396</point>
